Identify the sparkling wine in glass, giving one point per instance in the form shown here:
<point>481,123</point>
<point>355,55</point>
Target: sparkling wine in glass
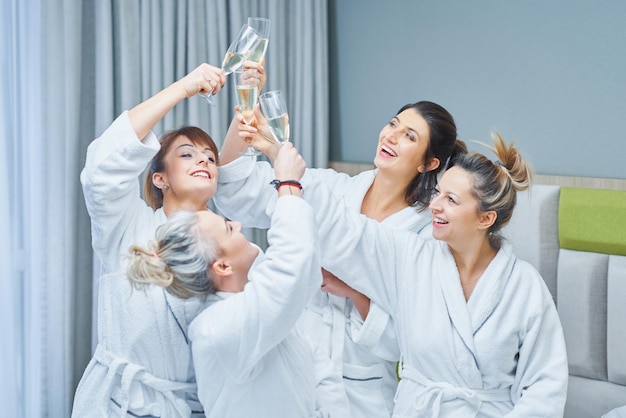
<point>246,42</point>
<point>274,108</point>
<point>247,87</point>
<point>261,25</point>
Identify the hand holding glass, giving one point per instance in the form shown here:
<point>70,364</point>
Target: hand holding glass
<point>246,42</point>
<point>274,108</point>
<point>247,86</point>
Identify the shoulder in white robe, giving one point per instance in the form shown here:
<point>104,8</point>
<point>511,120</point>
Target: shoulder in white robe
<point>250,360</point>
<point>110,180</point>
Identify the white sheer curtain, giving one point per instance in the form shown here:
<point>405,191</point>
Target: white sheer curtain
<point>22,169</point>
<point>69,68</point>
<point>46,299</point>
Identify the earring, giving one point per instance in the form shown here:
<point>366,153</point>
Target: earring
<point>165,186</point>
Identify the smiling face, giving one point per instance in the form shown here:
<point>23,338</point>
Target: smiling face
<point>190,173</point>
<point>236,254</point>
<point>402,145</point>
<point>456,218</point>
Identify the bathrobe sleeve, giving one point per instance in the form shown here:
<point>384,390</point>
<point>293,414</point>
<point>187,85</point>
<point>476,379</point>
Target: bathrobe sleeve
<point>234,334</point>
<point>110,181</point>
<point>244,190</point>
<point>540,386</point>
<point>377,332</point>
<point>366,255</point>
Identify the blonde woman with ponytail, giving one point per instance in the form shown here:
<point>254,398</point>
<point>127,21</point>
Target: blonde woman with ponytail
<point>477,327</point>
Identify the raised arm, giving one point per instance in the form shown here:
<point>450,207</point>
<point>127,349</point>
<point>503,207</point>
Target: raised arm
<point>148,113</point>
<point>241,330</point>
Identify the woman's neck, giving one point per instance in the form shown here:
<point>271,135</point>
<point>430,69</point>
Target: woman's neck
<point>385,197</point>
<point>170,206</point>
<point>472,259</point>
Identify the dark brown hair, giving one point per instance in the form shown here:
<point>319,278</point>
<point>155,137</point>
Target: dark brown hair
<point>443,145</point>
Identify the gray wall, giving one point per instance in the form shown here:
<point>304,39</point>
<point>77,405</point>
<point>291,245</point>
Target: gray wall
<point>548,74</point>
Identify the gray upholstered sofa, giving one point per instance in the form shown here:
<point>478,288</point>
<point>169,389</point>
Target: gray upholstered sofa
<point>576,238</point>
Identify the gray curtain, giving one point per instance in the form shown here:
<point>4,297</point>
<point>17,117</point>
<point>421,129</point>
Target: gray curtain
<point>142,46</point>
<point>69,68</point>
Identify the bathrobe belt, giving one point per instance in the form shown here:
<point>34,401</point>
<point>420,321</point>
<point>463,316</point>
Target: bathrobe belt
<point>439,392</point>
<point>131,372</point>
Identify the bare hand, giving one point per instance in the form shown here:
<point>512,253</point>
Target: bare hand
<point>333,285</point>
<point>260,69</point>
<point>204,79</point>
<point>289,164</point>
<point>258,134</point>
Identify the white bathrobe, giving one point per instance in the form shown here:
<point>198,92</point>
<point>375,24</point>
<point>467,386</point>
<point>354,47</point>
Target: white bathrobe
<point>250,361</point>
<point>142,365</point>
<point>110,179</point>
<point>502,353</point>
<point>120,218</point>
<point>355,359</point>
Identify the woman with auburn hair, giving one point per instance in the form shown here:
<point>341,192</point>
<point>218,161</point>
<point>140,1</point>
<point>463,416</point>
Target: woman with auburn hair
<point>182,174</point>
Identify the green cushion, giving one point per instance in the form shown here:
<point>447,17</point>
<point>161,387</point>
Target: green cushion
<point>593,220</point>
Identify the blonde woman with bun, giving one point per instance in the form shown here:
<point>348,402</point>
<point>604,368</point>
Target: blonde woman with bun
<point>240,304</point>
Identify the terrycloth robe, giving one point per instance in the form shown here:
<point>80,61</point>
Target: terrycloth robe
<point>250,361</point>
<point>142,365</point>
<point>110,179</point>
<point>501,353</point>
<point>120,218</point>
<point>355,359</point>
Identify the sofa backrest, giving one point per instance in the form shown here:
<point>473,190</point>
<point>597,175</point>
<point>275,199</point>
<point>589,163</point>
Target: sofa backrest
<point>591,281</point>
<point>576,238</point>
<point>533,231</point>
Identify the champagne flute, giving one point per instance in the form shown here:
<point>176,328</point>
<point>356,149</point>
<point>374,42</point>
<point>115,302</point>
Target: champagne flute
<point>261,25</point>
<point>246,42</point>
<point>247,86</point>
<point>274,108</point>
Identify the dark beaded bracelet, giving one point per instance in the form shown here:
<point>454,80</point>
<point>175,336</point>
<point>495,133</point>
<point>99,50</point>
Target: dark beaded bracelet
<point>277,184</point>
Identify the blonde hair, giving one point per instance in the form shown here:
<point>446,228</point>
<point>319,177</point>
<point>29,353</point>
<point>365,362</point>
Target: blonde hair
<point>495,184</point>
<point>179,260</point>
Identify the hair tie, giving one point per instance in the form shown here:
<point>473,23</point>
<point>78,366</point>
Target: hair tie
<point>498,162</point>
<point>155,255</point>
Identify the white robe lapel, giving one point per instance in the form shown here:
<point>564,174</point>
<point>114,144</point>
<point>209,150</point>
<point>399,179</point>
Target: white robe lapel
<point>489,289</point>
<point>460,319</point>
